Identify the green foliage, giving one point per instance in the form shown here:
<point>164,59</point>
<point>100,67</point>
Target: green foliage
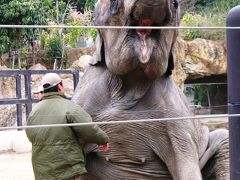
<point>43,38</point>
<point>20,12</point>
<point>25,51</point>
<point>4,41</point>
<point>74,35</point>
<point>61,9</point>
<point>55,11</point>
<point>93,34</point>
<point>54,47</point>
<point>208,13</point>
<point>200,95</point>
<point>33,12</point>
<point>87,4</point>
<point>187,20</point>
<point>216,6</point>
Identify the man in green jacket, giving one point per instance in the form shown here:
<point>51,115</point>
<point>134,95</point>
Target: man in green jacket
<point>56,151</point>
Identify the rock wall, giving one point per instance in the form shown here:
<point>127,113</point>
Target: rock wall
<point>6,83</point>
<point>198,58</point>
<point>74,54</point>
<point>7,90</point>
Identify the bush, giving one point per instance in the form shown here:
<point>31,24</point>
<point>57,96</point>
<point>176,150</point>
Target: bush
<point>43,36</point>
<point>54,47</point>
<point>25,51</point>
<point>74,35</point>
<point>208,13</point>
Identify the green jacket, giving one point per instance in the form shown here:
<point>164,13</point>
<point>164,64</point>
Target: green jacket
<point>56,152</point>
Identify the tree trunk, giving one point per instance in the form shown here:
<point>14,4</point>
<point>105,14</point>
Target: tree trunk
<point>19,58</point>
<point>33,52</point>
<point>13,59</point>
<point>1,61</point>
<point>55,64</point>
<point>63,52</point>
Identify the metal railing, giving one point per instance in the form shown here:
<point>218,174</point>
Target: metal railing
<point>28,100</point>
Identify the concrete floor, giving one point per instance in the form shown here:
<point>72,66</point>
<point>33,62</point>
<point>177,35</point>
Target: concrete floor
<point>15,166</point>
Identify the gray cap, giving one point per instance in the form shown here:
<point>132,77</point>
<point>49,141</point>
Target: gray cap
<point>52,79</point>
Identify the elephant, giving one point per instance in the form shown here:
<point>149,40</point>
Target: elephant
<point>130,78</point>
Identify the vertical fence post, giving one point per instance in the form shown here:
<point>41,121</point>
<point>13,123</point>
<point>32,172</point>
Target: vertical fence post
<point>19,97</point>
<point>28,92</point>
<point>233,54</point>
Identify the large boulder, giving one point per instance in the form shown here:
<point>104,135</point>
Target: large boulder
<point>74,54</point>
<point>81,63</point>
<point>198,58</point>
<point>36,78</point>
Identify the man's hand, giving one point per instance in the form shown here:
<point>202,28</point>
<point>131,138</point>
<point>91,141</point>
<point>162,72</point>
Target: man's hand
<point>104,148</point>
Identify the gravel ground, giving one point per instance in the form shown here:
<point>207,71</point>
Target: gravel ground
<point>15,166</point>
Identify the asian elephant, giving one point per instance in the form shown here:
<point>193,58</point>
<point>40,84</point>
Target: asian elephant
<point>130,78</point>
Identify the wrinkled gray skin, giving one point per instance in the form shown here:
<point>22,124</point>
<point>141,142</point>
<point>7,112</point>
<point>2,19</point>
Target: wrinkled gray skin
<point>130,78</point>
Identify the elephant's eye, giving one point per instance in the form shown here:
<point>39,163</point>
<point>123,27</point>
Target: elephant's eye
<point>114,5</point>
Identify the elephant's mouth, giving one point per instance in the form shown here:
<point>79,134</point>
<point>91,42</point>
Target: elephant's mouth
<point>145,37</point>
<point>146,15</point>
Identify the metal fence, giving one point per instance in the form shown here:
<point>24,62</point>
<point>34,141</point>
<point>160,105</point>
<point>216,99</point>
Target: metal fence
<point>19,100</point>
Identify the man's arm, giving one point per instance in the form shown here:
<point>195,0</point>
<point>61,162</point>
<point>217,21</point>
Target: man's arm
<point>88,133</point>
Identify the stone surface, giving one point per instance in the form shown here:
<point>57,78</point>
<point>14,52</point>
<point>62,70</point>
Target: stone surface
<point>74,54</point>
<point>7,90</point>
<point>36,78</point>
<point>81,63</point>
<point>6,84</point>
<point>198,58</point>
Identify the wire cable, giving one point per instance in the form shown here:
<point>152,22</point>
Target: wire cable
<point>117,27</point>
<point>121,121</point>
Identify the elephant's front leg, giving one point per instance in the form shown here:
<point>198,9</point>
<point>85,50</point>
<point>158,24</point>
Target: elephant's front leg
<point>184,167</point>
<point>184,162</point>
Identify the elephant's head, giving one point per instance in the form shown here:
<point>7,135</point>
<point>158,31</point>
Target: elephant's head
<point>126,50</point>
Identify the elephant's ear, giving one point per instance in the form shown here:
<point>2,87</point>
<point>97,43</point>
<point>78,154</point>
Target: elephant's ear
<point>170,64</point>
<point>99,55</point>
